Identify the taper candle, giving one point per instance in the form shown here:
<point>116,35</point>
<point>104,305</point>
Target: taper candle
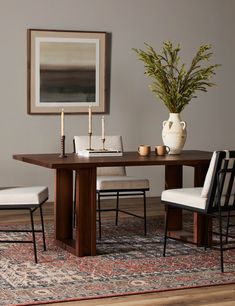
<point>90,119</point>
<point>102,125</point>
<point>62,122</point>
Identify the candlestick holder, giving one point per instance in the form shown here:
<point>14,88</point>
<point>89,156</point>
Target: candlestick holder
<point>103,144</point>
<point>89,141</point>
<point>62,146</point>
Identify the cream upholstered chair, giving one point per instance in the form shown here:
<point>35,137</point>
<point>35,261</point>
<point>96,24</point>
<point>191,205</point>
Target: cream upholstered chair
<point>25,198</point>
<point>215,199</point>
<point>113,181</point>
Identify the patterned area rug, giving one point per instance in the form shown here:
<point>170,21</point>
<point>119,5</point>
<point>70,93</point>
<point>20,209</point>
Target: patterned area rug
<point>127,263</point>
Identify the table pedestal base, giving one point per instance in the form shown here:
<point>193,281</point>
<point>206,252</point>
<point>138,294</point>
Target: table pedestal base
<point>80,241</point>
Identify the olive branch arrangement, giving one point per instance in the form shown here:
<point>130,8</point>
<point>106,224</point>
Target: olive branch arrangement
<point>172,83</point>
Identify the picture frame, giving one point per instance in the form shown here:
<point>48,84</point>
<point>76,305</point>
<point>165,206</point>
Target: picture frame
<point>67,70</point>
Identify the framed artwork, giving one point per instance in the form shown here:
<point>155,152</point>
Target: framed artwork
<point>66,70</point>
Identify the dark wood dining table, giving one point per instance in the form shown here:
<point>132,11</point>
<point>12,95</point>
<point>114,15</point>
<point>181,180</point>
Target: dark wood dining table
<point>81,241</point>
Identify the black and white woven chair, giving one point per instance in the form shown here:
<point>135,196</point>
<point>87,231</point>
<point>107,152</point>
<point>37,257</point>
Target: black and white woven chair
<point>25,198</point>
<point>113,181</point>
<point>215,199</point>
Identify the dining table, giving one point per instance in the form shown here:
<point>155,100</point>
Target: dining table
<point>81,239</point>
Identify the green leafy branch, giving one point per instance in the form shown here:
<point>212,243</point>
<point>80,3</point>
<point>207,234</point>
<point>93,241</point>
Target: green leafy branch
<point>171,82</point>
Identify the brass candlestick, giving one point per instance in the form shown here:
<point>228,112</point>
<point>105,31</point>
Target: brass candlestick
<point>62,146</point>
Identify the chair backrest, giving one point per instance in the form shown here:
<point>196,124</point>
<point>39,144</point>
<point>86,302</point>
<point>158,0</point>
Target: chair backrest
<point>111,143</point>
<point>219,186</point>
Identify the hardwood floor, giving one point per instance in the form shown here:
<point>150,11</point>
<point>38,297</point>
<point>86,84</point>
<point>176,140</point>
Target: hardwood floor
<point>216,295</point>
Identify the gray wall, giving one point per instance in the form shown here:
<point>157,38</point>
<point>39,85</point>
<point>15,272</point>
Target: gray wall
<point>134,111</point>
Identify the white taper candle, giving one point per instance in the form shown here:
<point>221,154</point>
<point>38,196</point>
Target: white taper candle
<point>62,122</point>
<point>90,119</point>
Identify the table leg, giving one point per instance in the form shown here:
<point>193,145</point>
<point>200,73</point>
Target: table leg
<point>63,205</point>
<point>86,212</point>
<point>173,179</point>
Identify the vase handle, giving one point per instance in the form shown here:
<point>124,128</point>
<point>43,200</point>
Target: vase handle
<point>169,123</point>
<point>183,123</point>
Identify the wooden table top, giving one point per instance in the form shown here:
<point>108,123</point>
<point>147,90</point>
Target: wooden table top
<point>73,161</point>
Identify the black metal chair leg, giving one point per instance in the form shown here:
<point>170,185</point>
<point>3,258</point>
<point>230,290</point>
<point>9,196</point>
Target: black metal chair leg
<point>227,226</point>
<point>43,231</point>
<point>206,233</point>
<point>99,215</point>
<point>33,236</point>
<point>221,245</point>
<point>117,208</point>
<point>74,201</point>
<point>145,217</point>
<point>165,231</point>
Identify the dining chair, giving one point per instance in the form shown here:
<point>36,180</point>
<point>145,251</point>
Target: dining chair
<point>25,198</point>
<point>114,181</point>
<point>216,199</point>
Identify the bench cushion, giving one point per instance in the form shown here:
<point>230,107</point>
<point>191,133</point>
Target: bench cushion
<point>121,182</point>
<point>185,196</point>
<point>23,196</point>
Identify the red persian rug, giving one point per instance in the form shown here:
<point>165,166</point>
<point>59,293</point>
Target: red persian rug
<point>127,263</point>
